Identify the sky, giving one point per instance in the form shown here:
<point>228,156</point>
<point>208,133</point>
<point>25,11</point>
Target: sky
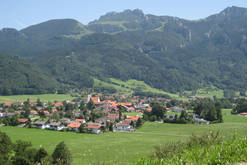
<point>22,13</point>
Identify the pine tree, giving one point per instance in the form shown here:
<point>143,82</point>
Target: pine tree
<point>62,155</point>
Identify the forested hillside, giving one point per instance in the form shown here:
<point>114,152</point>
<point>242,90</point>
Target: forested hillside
<point>19,77</point>
<point>165,52</point>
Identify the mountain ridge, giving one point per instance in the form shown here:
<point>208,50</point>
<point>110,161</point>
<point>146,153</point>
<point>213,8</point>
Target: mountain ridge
<point>165,52</point>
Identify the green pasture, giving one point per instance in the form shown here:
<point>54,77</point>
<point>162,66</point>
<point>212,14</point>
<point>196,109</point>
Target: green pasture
<point>123,148</point>
<point>42,97</point>
<point>127,86</point>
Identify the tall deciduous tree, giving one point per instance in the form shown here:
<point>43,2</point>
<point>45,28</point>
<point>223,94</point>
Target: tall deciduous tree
<point>158,110</point>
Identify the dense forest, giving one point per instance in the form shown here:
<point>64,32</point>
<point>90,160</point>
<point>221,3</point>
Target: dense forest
<point>19,77</point>
<point>165,52</point>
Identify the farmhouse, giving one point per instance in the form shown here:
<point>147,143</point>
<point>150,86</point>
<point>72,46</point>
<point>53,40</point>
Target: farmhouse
<point>22,122</point>
<point>82,121</point>
<point>131,109</point>
<point>65,121</point>
<point>95,100</point>
<point>33,113</point>
<point>74,127</point>
<point>7,103</point>
<point>58,104</point>
<point>94,128</point>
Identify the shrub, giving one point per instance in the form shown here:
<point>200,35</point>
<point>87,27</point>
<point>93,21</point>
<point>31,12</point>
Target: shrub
<point>206,149</point>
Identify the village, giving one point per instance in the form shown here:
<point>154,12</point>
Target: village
<point>92,114</point>
<point>96,113</point>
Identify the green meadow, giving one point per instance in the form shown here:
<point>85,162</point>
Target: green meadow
<point>42,97</point>
<point>133,113</point>
<point>126,87</point>
<point>124,148</point>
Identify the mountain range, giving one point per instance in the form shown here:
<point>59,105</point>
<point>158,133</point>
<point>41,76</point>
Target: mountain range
<point>165,52</point>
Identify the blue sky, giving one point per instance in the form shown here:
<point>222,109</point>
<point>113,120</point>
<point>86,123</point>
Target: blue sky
<point>22,13</point>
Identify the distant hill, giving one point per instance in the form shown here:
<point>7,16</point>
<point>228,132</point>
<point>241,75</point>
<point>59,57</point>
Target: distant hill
<point>55,28</point>
<point>165,52</point>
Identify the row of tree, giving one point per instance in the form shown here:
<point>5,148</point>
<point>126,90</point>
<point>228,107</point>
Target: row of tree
<point>207,109</point>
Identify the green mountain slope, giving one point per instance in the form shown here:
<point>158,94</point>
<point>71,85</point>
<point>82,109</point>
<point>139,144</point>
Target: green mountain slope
<point>165,52</point>
<point>55,28</point>
<point>19,77</point>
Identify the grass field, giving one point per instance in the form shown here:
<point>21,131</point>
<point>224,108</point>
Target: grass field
<point>123,148</point>
<point>43,97</point>
<point>208,92</point>
<point>133,113</point>
<point>126,86</point>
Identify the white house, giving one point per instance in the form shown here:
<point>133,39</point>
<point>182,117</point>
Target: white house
<point>123,128</point>
<point>1,115</point>
<point>40,124</point>
<point>202,121</point>
<point>56,126</point>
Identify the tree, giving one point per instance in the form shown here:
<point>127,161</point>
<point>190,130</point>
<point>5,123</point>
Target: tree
<point>42,114</point>
<point>39,103</point>
<point>27,102</point>
<point>132,124</point>
<point>120,115</point>
<point>138,123</point>
<point>82,128</point>
<point>40,155</point>
<point>111,127</point>
<point>211,114</point>
<point>208,110</point>
<point>19,160</point>
<point>82,106</point>
<point>241,107</point>
<point>21,146</point>
<point>158,111</point>
<point>26,112</point>
<point>90,105</point>
<point>5,148</point>
<point>23,156</point>
<point>62,155</point>
<point>107,125</point>
<point>13,121</point>
<point>122,108</point>
<point>219,115</point>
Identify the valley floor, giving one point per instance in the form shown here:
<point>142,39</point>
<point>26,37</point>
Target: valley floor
<point>123,148</point>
